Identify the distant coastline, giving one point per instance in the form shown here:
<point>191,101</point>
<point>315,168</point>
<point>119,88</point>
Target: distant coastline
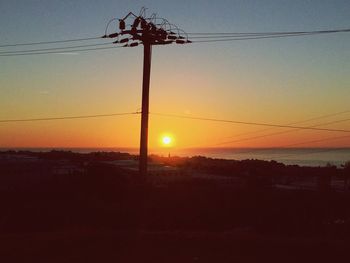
<point>299,156</point>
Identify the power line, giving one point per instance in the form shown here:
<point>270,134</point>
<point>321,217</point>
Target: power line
<point>281,132</point>
<point>248,38</point>
<point>291,123</point>
<point>195,35</point>
<point>249,123</point>
<point>55,48</point>
<point>70,117</point>
<point>185,117</point>
<point>273,33</point>
<point>219,39</point>
<point>223,37</point>
<point>258,137</point>
<point>277,133</point>
<point>213,37</point>
<point>50,42</point>
<point>58,52</point>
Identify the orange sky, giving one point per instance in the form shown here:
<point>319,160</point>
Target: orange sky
<point>269,81</point>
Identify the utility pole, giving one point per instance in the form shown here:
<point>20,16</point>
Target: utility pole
<point>148,32</point>
<point>145,108</point>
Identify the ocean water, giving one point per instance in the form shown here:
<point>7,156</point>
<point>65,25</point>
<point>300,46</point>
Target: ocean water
<point>299,156</point>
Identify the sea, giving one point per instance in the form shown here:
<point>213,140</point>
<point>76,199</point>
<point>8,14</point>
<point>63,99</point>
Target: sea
<point>291,156</point>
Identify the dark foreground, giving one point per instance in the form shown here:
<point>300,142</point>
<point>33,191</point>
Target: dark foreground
<point>90,246</point>
<point>103,213</point>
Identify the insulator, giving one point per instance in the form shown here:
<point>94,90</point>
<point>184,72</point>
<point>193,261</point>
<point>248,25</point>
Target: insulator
<point>162,33</point>
<point>104,36</point>
<point>181,37</point>
<point>124,40</point>
<point>172,37</point>
<point>121,24</point>
<point>134,44</point>
<point>114,35</point>
<point>180,41</point>
<point>162,42</point>
<point>188,41</point>
<point>136,22</point>
<point>144,24</point>
<point>153,28</point>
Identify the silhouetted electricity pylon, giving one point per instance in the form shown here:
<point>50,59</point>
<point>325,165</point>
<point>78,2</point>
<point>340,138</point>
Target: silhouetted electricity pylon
<point>148,32</point>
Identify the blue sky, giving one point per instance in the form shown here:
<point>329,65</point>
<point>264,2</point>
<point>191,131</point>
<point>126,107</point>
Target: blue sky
<point>35,19</point>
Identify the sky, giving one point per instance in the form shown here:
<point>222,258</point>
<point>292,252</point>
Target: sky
<point>279,81</point>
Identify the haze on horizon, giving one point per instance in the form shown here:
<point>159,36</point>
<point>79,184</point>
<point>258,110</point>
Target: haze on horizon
<point>272,81</point>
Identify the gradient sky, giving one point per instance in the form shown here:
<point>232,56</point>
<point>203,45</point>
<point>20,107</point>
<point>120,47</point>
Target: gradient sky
<point>275,81</point>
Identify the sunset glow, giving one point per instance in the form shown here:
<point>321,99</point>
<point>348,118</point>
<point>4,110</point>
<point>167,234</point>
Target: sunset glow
<point>278,81</point>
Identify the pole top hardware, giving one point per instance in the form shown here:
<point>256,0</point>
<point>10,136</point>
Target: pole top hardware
<point>152,30</point>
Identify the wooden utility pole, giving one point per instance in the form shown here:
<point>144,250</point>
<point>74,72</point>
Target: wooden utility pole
<point>145,107</point>
<point>147,32</point>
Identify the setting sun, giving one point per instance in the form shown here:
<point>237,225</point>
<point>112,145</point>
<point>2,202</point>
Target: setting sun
<point>166,140</point>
